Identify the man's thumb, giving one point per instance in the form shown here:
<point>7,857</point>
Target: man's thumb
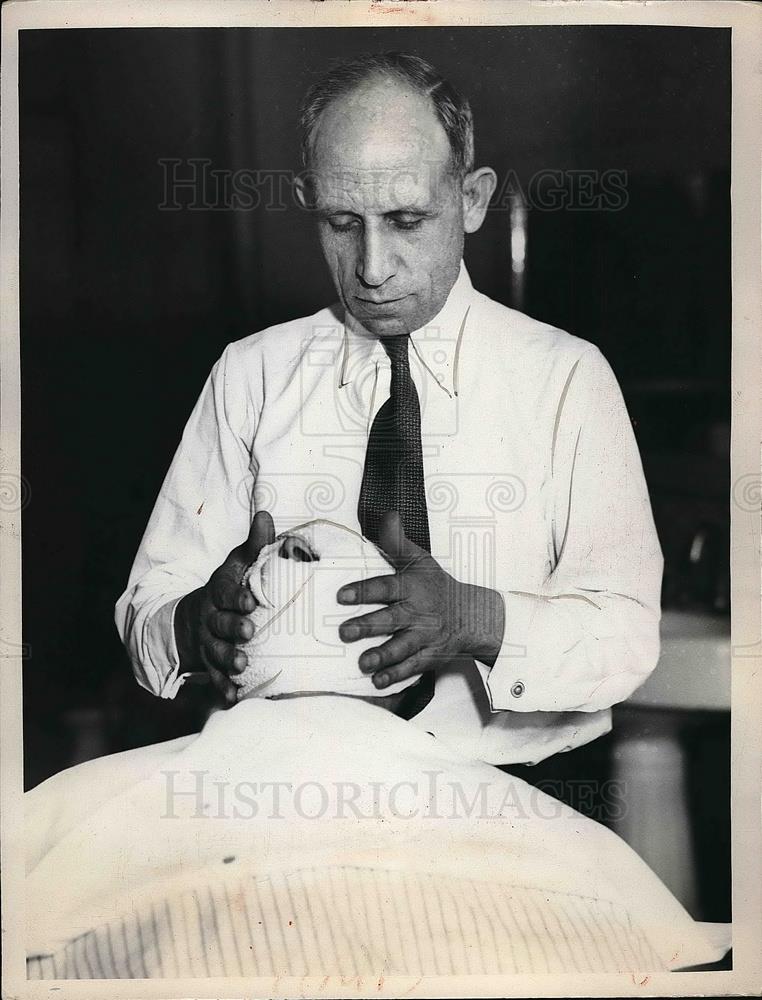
<point>393,541</point>
<point>261,533</point>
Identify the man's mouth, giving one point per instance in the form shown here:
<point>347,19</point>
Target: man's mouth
<point>378,303</point>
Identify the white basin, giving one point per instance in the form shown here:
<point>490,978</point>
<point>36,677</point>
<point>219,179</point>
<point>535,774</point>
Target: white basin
<point>693,671</point>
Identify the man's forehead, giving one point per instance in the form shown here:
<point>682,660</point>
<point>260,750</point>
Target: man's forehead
<point>379,189</point>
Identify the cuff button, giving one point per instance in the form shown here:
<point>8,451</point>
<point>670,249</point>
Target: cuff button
<point>518,689</point>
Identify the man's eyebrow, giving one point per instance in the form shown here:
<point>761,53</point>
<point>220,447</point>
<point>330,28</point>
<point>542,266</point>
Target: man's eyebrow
<point>327,211</point>
<point>412,210</point>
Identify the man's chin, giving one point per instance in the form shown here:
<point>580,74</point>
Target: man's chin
<point>384,326</point>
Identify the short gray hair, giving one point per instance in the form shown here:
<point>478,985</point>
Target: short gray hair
<point>452,109</point>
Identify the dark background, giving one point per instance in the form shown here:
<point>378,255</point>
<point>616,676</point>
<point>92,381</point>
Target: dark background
<point>125,307</point>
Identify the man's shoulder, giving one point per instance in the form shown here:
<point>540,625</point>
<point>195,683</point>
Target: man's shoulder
<point>527,338</point>
<point>291,338</point>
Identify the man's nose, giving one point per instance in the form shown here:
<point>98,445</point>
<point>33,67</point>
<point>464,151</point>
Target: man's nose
<point>297,549</point>
<point>375,263</point>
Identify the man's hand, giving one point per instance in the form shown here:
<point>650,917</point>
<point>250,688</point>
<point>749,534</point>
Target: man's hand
<point>431,617</point>
<point>210,622</point>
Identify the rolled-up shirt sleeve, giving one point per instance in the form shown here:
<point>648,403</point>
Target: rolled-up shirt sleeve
<point>589,636</point>
<point>202,512</point>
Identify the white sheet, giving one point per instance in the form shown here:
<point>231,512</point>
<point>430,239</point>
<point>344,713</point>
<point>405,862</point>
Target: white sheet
<point>106,837</point>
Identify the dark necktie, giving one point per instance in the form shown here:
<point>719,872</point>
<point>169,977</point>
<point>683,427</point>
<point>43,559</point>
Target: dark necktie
<point>393,478</point>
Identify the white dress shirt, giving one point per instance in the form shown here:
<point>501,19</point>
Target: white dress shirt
<point>534,488</point>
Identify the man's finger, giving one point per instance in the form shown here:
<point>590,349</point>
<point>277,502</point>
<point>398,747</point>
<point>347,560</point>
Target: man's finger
<point>381,622</point>
<point>220,680</point>
<point>395,650</point>
<point>224,656</point>
<point>230,626</point>
<point>375,590</point>
<point>395,544</point>
<point>418,663</point>
<point>228,595</point>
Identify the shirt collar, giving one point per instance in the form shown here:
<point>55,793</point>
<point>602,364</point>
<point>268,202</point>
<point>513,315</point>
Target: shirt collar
<point>436,344</point>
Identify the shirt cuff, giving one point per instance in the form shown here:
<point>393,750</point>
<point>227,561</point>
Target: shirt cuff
<point>162,651</point>
<point>525,676</point>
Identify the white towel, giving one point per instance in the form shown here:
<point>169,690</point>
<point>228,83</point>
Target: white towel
<point>296,646</point>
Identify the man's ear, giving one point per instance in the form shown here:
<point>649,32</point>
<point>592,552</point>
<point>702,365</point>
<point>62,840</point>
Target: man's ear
<point>478,188</point>
<point>304,190</point>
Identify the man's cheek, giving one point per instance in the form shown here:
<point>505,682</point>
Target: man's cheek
<point>338,262</point>
<point>437,246</point>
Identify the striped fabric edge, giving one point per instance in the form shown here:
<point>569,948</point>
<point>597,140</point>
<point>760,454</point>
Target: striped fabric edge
<point>349,921</point>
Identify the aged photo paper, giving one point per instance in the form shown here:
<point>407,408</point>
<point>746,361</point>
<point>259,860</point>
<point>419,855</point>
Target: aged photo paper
<point>381,498</point>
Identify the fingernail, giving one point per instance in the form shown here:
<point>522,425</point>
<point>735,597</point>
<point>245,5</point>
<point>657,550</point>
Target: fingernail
<point>348,632</point>
<point>370,660</point>
<point>346,595</point>
<point>381,680</point>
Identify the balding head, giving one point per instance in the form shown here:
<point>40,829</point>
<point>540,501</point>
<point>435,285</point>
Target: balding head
<point>399,71</point>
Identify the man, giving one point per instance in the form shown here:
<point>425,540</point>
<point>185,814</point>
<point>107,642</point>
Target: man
<point>490,456</point>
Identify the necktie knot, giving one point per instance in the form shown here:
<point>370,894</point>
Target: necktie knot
<point>396,349</point>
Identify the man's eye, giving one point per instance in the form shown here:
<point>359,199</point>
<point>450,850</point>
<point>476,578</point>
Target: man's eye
<point>342,225</point>
<point>407,224</point>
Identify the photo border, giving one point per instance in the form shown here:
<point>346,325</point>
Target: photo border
<point>745,20</point>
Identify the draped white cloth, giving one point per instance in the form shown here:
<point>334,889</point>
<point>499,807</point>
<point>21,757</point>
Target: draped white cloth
<point>382,846</point>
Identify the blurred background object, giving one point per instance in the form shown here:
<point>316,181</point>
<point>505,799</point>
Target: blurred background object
<point>611,220</point>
